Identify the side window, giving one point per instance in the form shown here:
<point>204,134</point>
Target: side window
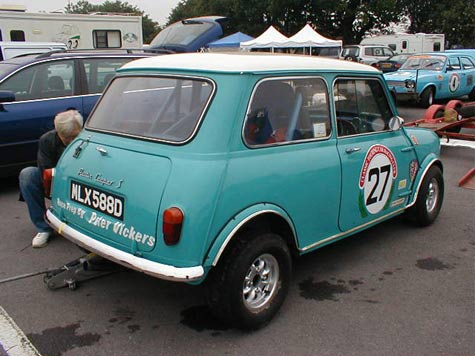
<point>361,106</point>
<point>404,45</point>
<point>467,63</point>
<point>46,80</point>
<point>17,35</point>
<point>288,110</point>
<point>388,52</point>
<point>454,63</point>
<point>99,72</point>
<point>437,47</point>
<point>106,39</point>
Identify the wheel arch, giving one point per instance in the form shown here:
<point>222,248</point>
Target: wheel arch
<point>262,217</point>
<point>424,168</point>
<point>429,86</point>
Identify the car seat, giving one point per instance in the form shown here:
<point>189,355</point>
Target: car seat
<point>270,111</point>
<point>55,83</point>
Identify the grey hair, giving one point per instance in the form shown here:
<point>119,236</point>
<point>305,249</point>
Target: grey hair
<point>68,122</point>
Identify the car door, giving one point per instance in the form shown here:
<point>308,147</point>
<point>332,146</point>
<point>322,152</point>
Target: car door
<point>454,83</point>
<point>41,91</point>
<point>376,163</point>
<point>468,73</point>
<point>289,135</point>
<point>98,72</point>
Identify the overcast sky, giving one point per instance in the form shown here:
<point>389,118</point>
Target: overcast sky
<point>157,10</point>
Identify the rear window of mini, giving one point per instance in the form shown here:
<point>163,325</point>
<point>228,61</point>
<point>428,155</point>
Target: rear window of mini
<point>285,110</point>
<point>167,109</point>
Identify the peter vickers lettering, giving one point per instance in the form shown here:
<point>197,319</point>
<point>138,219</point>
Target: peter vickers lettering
<point>118,228</point>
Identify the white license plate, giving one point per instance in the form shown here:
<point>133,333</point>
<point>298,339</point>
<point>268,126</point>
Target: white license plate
<point>97,199</point>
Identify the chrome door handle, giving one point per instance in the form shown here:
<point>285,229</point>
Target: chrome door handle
<point>102,150</point>
<point>353,149</point>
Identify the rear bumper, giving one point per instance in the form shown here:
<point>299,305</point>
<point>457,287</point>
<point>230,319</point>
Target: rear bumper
<point>155,269</point>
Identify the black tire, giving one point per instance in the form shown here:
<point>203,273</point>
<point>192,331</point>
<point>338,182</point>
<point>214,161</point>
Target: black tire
<point>471,95</point>
<point>351,58</point>
<point>429,199</point>
<point>427,97</point>
<point>240,303</point>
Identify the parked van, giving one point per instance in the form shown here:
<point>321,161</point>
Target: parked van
<point>77,31</point>
<point>16,49</point>
<point>409,43</point>
<point>367,54</point>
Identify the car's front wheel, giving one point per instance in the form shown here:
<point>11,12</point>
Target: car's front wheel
<point>251,281</point>
<point>429,198</point>
<point>427,97</point>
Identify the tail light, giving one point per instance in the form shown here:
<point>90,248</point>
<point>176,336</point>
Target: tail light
<point>48,176</point>
<point>172,224</point>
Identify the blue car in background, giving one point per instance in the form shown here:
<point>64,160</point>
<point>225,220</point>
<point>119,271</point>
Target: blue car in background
<point>427,77</point>
<point>34,88</point>
<point>190,35</point>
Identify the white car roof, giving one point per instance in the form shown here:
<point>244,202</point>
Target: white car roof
<point>250,62</point>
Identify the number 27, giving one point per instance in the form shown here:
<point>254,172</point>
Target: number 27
<point>376,172</point>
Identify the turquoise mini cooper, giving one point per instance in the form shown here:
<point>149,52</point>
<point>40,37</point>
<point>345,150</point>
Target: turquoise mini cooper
<point>221,168</point>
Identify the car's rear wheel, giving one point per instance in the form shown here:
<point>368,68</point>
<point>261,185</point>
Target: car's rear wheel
<point>427,97</point>
<point>251,281</point>
<point>471,95</point>
<point>429,198</point>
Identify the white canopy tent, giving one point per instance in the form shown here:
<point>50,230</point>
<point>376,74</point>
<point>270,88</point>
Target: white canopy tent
<point>308,37</point>
<point>271,38</point>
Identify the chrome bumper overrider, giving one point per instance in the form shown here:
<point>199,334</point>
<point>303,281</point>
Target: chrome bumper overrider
<point>159,270</point>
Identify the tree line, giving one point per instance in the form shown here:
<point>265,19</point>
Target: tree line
<point>348,20</point>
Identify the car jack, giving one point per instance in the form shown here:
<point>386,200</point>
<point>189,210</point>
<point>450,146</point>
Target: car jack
<point>82,269</point>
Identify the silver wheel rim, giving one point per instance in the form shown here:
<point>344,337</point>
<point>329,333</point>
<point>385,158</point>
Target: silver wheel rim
<point>260,282</point>
<point>432,197</point>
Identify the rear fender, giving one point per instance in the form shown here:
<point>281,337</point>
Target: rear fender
<point>240,220</point>
<point>431,160</point>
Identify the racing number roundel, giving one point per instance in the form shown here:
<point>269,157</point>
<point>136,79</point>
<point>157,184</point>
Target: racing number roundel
<point>454,82</point>
<point>377,176</point>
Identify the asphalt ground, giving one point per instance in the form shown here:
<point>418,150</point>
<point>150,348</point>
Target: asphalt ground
<point>393,290</point>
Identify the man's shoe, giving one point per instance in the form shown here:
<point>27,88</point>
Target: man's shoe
<point>40,240</point>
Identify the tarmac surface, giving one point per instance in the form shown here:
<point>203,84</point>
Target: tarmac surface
<point>393,290</point>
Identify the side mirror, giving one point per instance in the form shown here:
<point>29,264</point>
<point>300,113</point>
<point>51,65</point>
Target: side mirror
<point>6,96</point>
<point>396,123</point>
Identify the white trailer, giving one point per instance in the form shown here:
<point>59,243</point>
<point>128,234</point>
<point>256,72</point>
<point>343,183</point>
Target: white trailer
<point>76,31</point>
<point>410,43</point>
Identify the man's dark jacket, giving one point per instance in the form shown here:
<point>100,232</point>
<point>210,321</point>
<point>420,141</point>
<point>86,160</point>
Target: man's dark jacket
<point>50,148</point>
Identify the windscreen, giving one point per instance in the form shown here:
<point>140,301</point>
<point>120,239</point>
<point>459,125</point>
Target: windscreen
<point>180,33</point>
<point>435,63</point>
<point>6,68</point>
<point>163,108</point>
